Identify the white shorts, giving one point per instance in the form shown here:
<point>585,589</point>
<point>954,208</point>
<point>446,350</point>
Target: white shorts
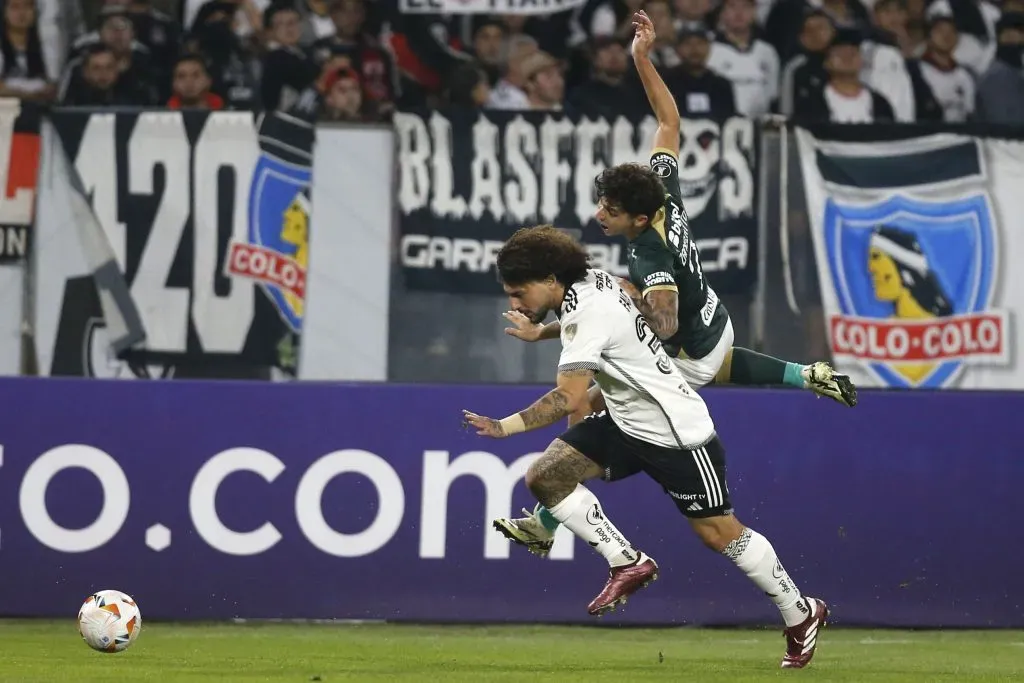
<point>700,372</point>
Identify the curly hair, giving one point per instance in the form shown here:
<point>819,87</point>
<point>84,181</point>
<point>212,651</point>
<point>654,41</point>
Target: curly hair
<point>532,254</point>
<point>635,188</point>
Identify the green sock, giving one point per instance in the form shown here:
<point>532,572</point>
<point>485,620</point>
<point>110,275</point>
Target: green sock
<point>753,368</point>
<point>547,519</point>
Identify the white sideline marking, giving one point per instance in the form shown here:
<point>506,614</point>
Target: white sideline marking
<point>886,641</point>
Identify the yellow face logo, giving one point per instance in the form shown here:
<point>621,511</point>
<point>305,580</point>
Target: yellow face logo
<point>885,277</point>
<point>295,231</point>
<point>892,283</point>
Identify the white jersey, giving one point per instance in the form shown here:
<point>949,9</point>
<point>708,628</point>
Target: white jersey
<point>754,73</point>
<point>646,395</point>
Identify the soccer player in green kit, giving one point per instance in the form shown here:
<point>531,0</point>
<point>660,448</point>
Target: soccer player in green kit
<point>666,282</point>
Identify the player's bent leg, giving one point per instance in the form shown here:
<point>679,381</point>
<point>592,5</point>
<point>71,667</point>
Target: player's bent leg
<point>746,367</point>
<point>755,557</point>
<point>536,529</point>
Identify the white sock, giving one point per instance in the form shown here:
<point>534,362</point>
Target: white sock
<point>756,557</point>
<point>581,514</point>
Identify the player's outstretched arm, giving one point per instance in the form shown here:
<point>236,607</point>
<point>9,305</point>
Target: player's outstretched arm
<point>662,102</point>
<point>563,400</point>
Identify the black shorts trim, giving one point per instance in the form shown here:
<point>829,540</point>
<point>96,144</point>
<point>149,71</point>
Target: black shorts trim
<point>694,477</point>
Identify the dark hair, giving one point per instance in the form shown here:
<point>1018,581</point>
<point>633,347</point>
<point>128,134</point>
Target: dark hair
<point>533,254</point>
<point>462,81</point>
<point>191,57</point>
<point>94,50</point>
<point>33,51</point>
<point>635,188</point>
<point>924,286</point>
<point>275,8</point>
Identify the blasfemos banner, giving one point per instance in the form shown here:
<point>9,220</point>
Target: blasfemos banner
<point>467,180</point>
<point>917,237</point>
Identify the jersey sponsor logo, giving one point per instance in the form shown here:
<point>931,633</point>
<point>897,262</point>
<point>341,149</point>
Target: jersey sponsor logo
<point>915,281</point>
<point>663,165</point>
<point>664,365</point>
<point>276,253</point>
<point>660,278</point>
<point>707,313</point>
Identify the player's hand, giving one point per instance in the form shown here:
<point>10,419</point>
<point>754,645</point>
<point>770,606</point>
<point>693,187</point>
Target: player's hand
<point>484,426</point>
<point>643,38</point>
<point>523,328</point>
<point>629,288</point>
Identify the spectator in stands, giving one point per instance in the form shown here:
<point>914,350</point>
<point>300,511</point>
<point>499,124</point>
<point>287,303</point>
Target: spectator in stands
<point>60,24</point>
<point>161,36</point>
<point>116,31</point>
<point>23,71</point>
<point>885,71</point>
<point>545,86</point>
<point>231,66</point>
<point>804,75</point>
<point>191,85</point>
<point>468,86</point>
<point>976,24</point>
<point>845,98</point>
<point>605,92</point>
<point>943,90</point>
<point>343,97</point>
<point>692,13</point>
<point>607,18</point>
<point>426,49</point>
<point>489,46</point>
<point>783,26</point>
<point>1001,87</point>
<point>553,32</point>
<point>287,71</point>
<point>699,91</point>
<point>663,53</point>
<point>369,60</point>
<point>891,21</point>
<point>749,62</point>
<point>97,86</point>
<point>509,93</point>
<point>317,23</point>
<point>245,17</point>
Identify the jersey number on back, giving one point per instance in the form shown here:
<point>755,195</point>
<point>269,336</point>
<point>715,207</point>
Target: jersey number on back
<point>674,231</point>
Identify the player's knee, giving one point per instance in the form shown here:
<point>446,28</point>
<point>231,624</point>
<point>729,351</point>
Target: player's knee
<point>717,532</point>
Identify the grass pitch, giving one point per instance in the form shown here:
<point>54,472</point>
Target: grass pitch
<point>52,652</point>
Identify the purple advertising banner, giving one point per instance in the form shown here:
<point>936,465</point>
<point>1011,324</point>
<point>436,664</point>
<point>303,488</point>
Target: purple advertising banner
<point>225,500</point>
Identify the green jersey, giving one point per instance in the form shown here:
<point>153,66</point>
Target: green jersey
<point>665,257</point>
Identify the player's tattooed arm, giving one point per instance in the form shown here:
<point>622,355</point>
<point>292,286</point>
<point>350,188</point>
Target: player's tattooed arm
<point>564,399</point>
<point>569,396</point>
<point>661,308</point>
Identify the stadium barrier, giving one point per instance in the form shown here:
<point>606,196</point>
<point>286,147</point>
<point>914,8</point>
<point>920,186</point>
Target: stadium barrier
<point>227,500</point>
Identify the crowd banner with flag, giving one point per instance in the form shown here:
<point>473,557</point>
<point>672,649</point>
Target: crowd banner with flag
<point>467,180</point>
<point>916,237</point>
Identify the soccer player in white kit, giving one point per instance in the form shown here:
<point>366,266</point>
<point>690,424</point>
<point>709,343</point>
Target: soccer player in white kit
<point>654,423</point>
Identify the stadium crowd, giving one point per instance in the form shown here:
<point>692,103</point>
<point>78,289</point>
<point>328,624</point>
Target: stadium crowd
<point>847,61</point>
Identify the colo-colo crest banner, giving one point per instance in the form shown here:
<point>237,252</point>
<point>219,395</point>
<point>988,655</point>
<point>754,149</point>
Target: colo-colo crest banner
<point>916,236</point>
<point>185,250</point>
<point>467,180</point>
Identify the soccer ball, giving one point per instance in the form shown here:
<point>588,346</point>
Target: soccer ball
<point>109,621</point>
